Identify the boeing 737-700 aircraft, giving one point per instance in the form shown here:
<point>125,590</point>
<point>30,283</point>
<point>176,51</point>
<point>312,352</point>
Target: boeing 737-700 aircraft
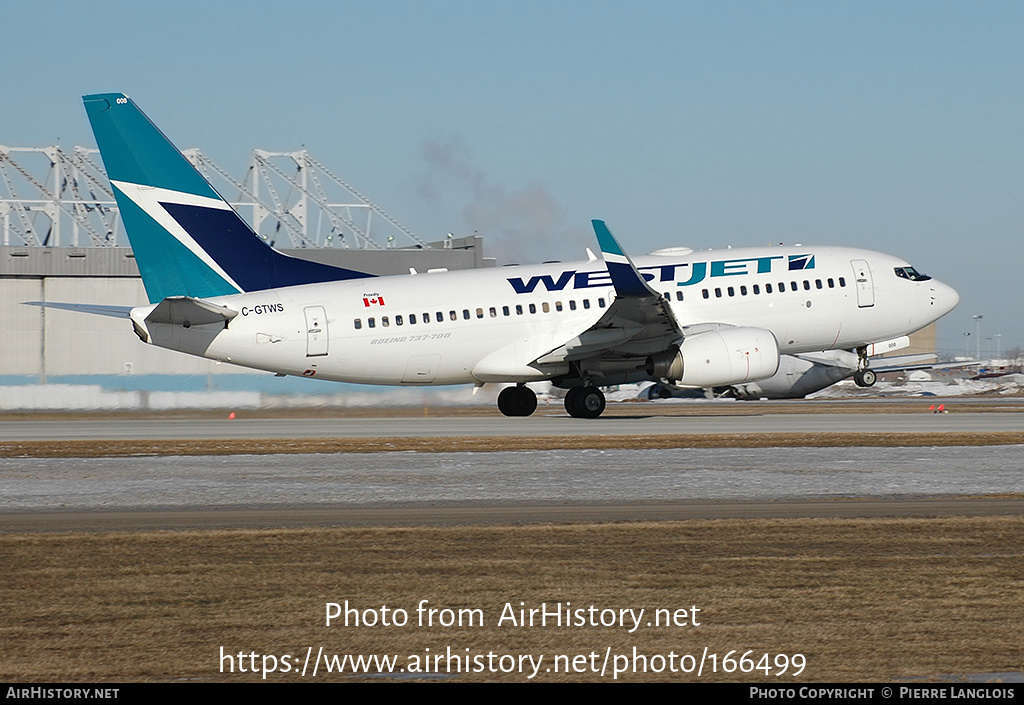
<point>700,319</point>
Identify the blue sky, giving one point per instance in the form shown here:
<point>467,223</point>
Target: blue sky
<point>891,126</point>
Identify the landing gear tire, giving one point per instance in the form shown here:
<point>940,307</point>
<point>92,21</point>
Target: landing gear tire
<point>864,378</point>
<point>584,402</point>
<point>517,401</point>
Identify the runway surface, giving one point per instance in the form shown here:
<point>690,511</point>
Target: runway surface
<point>614,484</point>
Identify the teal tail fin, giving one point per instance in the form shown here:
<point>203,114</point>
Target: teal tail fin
<point>187,240</point>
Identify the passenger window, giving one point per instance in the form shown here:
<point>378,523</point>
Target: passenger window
<point>600,302</point>
<point>718,292</point>
<point>519,309</point>
<point>757,289</point>
<point>807,285</point>
<point>572,305</point>
<point>398,320</point>
<point>732,291</point>
<point>706,294</point>
<point>533,308</point>
<point>586,303</point>
<point>494,312</point>
<point>479,313</point>
<point>558,305</point>
<point>371,323</point>
<point>545,307</point>
<point>412,319</point>
<point>359,323</point>
<point>679,295</point>
<point>465,315</point>
<point>384,322</point>
<point>817,283</point>
<point>831,283</point>
<point>439,317</point>
<point>842,281</point>
<point>767,288</point>
<point>504,310</point>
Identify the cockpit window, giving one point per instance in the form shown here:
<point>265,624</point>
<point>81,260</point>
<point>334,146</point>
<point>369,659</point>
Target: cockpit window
<point>911,274</point>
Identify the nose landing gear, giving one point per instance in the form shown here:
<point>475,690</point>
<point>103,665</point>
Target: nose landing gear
<point>864,376</point>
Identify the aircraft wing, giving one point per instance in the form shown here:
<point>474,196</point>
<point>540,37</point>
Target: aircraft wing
<point>638,321</point>
<point>95,309</point>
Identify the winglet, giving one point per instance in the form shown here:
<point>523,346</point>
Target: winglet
<point>627,280</point>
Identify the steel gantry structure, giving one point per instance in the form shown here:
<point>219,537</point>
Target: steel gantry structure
<point>54,198</point>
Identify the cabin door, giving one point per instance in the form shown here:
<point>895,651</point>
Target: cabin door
<point>316,331</point>
<point>865,287</point>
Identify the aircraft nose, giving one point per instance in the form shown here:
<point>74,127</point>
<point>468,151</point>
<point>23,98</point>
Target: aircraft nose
<point>946,297</point>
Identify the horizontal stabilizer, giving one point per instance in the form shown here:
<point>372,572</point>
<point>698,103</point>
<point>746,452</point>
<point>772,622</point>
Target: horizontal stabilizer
<point>186,311</point>
<point>96,309</point>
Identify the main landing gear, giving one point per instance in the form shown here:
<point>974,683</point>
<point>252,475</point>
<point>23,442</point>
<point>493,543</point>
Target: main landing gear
<point>517,401</point>
<point>584,402</point>
<point>580,402</point>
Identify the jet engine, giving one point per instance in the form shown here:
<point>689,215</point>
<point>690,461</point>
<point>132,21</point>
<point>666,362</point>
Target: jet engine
<point>718,357</point>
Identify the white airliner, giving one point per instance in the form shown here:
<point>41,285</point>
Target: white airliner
<point>700,319</point>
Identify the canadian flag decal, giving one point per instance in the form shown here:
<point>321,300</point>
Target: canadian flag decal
<point>372,300</point>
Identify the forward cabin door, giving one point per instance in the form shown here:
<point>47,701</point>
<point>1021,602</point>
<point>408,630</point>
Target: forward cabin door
<point>865,287</point>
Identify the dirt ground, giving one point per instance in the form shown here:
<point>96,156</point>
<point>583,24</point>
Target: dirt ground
<point>857,600</point>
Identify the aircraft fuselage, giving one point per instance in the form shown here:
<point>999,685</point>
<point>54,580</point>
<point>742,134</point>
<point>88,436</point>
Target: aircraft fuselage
<point>489,324</point>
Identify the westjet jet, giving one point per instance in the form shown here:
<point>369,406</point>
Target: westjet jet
<point>694,319</point>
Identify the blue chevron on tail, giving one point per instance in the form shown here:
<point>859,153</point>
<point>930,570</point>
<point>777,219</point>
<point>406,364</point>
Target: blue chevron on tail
<point>187,240</point>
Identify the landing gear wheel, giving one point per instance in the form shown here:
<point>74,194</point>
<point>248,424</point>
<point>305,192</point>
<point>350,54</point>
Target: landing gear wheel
<point>572,397</point>
<point>865,377</point>
<point>517,401</point>
<point>584,402</point>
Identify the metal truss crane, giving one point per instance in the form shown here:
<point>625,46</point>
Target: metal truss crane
<point>289,198</point>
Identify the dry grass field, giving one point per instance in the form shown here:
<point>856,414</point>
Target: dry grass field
<point>861,600</point>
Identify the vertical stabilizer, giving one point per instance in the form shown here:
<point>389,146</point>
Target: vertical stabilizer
<point>187,240</point>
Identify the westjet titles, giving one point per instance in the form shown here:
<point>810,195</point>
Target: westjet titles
<point>662,273</point>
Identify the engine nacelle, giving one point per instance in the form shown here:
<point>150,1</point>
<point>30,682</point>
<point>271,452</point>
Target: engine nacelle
<point>718,357</point>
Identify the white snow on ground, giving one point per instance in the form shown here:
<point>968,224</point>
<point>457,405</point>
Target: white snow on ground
<point>916,386</point>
